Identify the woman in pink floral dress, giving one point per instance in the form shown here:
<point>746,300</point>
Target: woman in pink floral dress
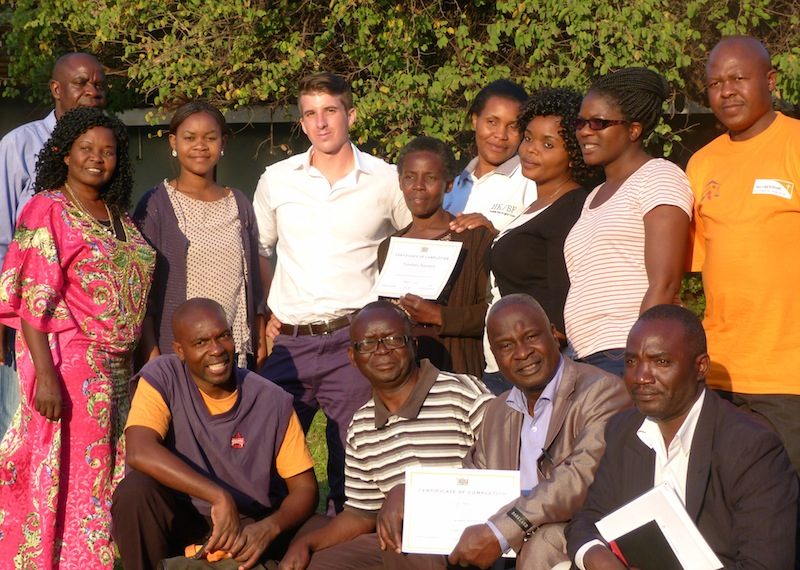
<point>75,282</point>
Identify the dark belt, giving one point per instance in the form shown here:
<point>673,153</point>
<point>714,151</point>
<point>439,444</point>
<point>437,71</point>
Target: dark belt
<point>320,328</point>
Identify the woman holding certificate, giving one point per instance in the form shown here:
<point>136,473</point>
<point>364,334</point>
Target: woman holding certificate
<point>449,330</point>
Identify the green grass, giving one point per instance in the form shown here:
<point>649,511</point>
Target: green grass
<point>319,451</point>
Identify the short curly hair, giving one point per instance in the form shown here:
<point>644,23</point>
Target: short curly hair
<point>432,145</point>
<point>51,171</point>
<point>503,88</point>
<point>563,103</point>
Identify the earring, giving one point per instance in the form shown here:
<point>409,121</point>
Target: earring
<point>222,152</point>
<point>174,153</point>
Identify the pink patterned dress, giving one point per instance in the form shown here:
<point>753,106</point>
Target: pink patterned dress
<point>68,277</point>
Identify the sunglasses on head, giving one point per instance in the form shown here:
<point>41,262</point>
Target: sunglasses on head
<point>598,124</point>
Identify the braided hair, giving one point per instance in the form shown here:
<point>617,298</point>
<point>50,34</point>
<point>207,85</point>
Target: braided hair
<point>434,146</point>
<point>638,92</point>
<point>563,103</point>
<point>51,171</point>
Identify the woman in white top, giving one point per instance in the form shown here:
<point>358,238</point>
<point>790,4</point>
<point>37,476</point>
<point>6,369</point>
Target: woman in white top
<point>492,186</point>
<point>626,252</point>
<point>206,238</point>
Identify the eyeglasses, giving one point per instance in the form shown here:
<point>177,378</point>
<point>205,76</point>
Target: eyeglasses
<point>598,124</point>
<point>389,342</point>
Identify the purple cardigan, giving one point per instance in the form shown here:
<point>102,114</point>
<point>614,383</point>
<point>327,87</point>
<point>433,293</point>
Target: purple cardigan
<point>159,226</point>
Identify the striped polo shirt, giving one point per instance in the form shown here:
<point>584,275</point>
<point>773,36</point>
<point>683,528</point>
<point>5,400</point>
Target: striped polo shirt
<point>604,253</point>
<point>435,427</point>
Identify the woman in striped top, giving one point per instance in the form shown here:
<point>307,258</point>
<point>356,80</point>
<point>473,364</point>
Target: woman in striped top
<point>626,251</point>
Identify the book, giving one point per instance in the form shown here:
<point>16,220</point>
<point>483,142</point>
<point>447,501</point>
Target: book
<point>654,532</point>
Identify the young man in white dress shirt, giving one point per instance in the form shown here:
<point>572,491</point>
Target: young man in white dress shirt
<point>323,212</point>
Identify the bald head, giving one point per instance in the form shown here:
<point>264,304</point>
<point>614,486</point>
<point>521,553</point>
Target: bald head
<point>694,335</point>
<point>510,303</point>
<point>78,80</point>
<point>739,81</point>
<point>192,311</point>
<point>378,310</point>
<point>747,47</point>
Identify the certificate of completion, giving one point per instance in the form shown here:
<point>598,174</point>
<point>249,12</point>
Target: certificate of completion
<point>418,266</point>
<point>441,503</point>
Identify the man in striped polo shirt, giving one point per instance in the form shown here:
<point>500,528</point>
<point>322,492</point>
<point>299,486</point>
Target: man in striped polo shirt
<point>418,416</point>
<point>549,426</point>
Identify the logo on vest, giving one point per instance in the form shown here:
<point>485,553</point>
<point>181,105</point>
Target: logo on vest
<point>237,441</point>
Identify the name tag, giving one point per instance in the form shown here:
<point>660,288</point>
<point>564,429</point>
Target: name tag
<point>774,187</point>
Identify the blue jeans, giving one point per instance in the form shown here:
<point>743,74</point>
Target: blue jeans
<point>611,360</point>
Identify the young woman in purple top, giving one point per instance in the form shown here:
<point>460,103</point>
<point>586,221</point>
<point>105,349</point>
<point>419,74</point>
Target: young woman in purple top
<point>206,237</point>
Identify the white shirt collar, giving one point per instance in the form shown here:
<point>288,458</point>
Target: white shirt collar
<point>359,163</point>
<point>506,169</point>
<point>650,433</point>
<point>50,120</point>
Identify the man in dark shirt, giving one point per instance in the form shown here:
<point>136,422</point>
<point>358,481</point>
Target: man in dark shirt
<point>211,449</point>
<point>727,467</point>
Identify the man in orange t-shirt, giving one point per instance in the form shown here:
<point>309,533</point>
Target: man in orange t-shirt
<point>747,222</point>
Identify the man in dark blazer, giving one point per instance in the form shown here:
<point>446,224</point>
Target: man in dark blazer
<point>568,404</point>
<point>730,470</point>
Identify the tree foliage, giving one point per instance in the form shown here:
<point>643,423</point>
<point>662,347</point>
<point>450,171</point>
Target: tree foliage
<point>414,64</point>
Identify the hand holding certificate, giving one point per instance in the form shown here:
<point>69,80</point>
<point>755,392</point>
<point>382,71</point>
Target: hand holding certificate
<point>441,503</point>
<point>419,266</point>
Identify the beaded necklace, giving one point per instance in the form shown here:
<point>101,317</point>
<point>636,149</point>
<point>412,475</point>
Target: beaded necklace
<point>109,229</point>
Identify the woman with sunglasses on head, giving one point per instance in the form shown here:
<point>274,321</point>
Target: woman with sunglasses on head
<point>492,187</point>
<point>75,283</point>
<point>206,238</point>
<point>528,255</point>
<point>626,251</point>
<point>449,330</point>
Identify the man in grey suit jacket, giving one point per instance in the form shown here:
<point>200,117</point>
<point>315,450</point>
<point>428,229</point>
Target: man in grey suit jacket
<point>730,470</point>
<point>550,426</point>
